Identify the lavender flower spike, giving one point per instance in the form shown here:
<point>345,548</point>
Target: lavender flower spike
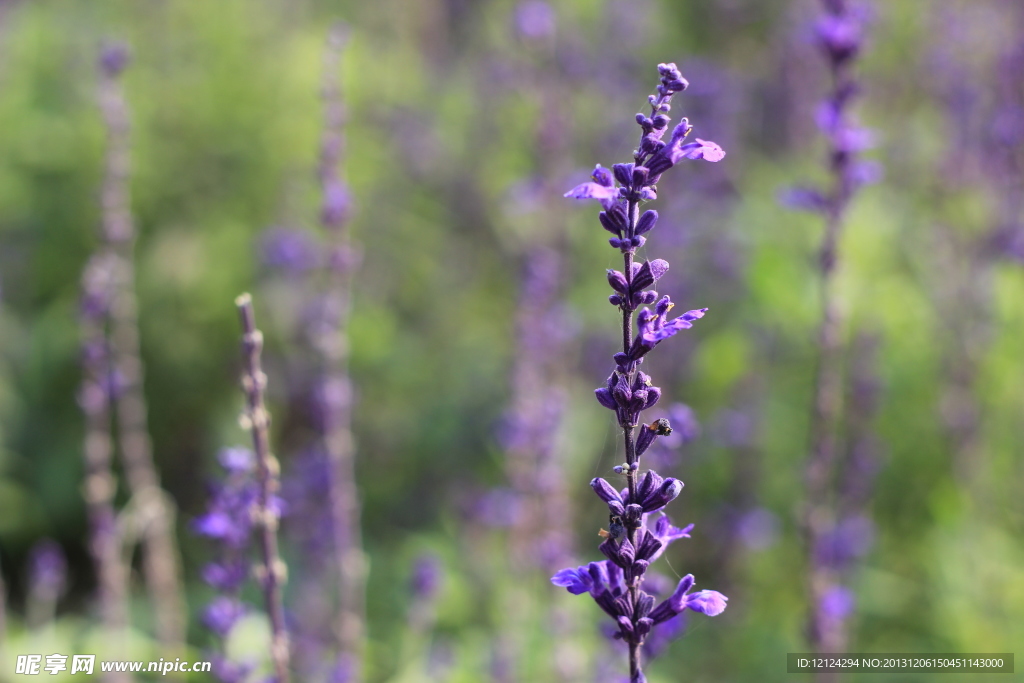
<point>150,505</point>
<point>839,36</point>
<point>272,571</point>
<point>616,584</point>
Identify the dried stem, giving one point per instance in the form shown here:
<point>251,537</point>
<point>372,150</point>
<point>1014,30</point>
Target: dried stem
<point>152,508</point>
<point>336,393</point>
<point>272,572</point>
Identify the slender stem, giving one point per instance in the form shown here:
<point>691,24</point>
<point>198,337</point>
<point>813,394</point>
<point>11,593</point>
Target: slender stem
<point>273,572</point>
<point>332,347</point>
<point>151,506</point>
<point>826,407</point>
<point>100,486</point>
<point>3,606</point>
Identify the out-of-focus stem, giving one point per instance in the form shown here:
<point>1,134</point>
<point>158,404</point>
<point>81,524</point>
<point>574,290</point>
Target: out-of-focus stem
<point>336,392</point>
<point>818,517</point>
<point>272,572</point>
<point>3,608</point>
<point>151,506</point>
<point>99,486</point>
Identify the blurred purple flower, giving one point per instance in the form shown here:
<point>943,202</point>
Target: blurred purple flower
<point>837,603</point>
<point>47,568</point>
<point>222,614</point>
<point>291,250</point>
<point>535,19</point>
<point>758,529</point>
<point>427,574</point>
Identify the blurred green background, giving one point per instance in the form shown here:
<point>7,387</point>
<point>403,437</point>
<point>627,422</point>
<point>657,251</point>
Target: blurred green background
<point>444,100</point>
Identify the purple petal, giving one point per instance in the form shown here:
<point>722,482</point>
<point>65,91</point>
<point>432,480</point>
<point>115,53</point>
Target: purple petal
<point>700,149</point>
<point>711,603</point>
<point>592,191</point>
<point>576,581</point>
<point>678,599</point>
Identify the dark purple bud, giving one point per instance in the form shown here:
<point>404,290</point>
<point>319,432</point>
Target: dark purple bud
<point>640,567</point>
<point>605,398</point>
<point>633,514</point>
<point>644,439</point>
<point>637,241</point>
<point>610,549</point>
<point>621,392</point>
<point>616,508</point>
<point>604,490</point>
<point>639,176</point>
<point>666,493</point>
<point>615,300</point>
<point>618,281</point>
<point>649,547</point>
<point>602,176</point>
<point>646,222</point>
<point>625,624</point>
<point>645,298</point>
<point>644,626</point>
<point>623,173</point>
<point>653,396</point>
<point>609,223</point>
<point>660,122</point>
<point>648,484</point>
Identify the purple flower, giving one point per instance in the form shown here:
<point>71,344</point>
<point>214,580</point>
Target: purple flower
<point>711,603</point>
<point>293,251</point>
<point>426,577</point>
<point>837,603</point>
<point>535,19</point>
<point>630,545</point>
<point>222,614</point>
<point>602,188</point>
<point>47,568</point>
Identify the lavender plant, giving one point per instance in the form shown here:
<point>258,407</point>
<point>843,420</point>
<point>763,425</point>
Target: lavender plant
<point>334,394</point>
<point>839,34</point>
<point>100,485</point>
<point>630,544</point>
<point>151,508</point>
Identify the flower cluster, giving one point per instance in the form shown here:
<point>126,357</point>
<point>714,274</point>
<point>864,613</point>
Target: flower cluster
<point>229,522</point>
<point>631,544</point>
